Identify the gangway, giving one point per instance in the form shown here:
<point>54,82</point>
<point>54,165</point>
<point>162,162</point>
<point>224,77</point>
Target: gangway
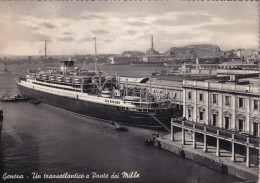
<point>156,119</point>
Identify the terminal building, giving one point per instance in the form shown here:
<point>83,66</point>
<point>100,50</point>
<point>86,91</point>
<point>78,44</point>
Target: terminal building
<point>232,105</point>
<point>225,111</point>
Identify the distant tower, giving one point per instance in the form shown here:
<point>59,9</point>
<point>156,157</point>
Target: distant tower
<point>152,42</point>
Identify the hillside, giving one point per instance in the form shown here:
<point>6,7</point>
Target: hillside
<point>192,51</point>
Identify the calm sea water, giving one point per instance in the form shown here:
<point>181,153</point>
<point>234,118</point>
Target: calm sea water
<point>46,140</point>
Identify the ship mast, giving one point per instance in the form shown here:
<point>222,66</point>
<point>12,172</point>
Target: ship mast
<point>151,51</point>
<point>45,56</point>
<point>95,54</point>
<point>152,42</point>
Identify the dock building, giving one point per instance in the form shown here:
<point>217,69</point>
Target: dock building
<point>227,112</point>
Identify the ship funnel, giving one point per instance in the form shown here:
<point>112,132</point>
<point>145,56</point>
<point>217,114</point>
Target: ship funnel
<point>197,61</point>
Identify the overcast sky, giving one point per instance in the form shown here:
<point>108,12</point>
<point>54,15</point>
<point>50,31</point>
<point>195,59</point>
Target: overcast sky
<point>118,26</point>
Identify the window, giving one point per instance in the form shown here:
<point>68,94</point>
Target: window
<point>201,115</point>
<point>201,96</point>
<point>227,118</point>
<point>214,119</point>
<point>189,95</point>
<point>189,113</point>
<point>255,129</point>
<point>255,104</point>
<point>241,102</point>
<point>227,100</point>
<point>240,124</point>
<point>215,100</point>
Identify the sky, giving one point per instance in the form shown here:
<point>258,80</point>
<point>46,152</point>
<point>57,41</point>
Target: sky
<point>69,27</point>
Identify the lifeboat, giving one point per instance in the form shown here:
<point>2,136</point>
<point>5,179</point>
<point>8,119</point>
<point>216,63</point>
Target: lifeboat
<point>33,75</point>
<point>77,80</point>
<point>68,80</point>
<point>132,98</point>
<point>106,94</point>
<point>52,78</point>
<point>39,76</point>
<point>60,78</point>
<point>45,77</point>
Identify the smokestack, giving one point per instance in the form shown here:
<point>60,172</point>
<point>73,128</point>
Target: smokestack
<point>45,49</point>
<point>152,41</point>
<point>197,61</point>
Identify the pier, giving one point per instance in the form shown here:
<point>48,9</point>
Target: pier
<point>184,141</point>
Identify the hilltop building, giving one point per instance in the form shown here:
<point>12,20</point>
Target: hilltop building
<point>247,53</point>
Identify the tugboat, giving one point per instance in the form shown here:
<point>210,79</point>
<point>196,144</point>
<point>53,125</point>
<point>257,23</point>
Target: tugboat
<point>17,98</point>
<point>11,99</point>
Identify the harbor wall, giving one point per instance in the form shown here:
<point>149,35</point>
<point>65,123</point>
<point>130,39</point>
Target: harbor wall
<point>212,163</point>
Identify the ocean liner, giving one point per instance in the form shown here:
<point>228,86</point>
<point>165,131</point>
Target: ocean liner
<point>96,94</point>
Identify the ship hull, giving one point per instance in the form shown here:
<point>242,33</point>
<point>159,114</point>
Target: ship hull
<point>1,123</point>
<point>97,110</point>
<point>147,64</point>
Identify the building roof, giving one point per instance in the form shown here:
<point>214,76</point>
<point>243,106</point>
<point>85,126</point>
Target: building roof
<point>241,87</point>
<point>166,83</point>
<point>233,62</point>
<point>133,80</point>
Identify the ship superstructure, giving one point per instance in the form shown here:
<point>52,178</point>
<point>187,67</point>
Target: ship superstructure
<point>96,94</point>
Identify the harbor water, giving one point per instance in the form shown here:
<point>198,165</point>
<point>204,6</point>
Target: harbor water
<point>42,140</point>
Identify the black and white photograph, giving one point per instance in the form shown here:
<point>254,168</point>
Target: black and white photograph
<point>129,91</point>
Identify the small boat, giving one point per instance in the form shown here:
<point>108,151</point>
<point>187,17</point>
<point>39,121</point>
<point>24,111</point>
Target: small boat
<point>34,102</point>
<point>111,123</point>
<point>149,142</point>
<point>13,99</point>
<point>22,98</point>
<point>119,127</point>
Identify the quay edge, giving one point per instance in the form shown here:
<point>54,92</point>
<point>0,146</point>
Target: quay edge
<point>214,163</point>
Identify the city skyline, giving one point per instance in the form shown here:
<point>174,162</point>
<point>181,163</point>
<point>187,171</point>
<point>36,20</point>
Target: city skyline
<point>69,27</point>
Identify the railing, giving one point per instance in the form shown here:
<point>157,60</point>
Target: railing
<point>222,86</point>
<point>255,142</point>
<point>225,134</point>
<point>240,138</point>
<point>211,130</point>
<point>199,127</point>
<point>178,122</point>
<point>186,123</point>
